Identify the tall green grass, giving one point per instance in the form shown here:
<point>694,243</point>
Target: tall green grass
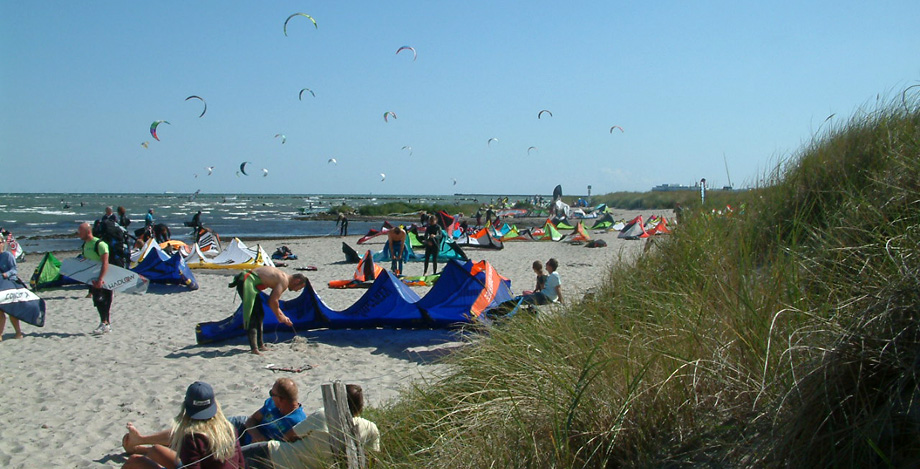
<point>785,333</point>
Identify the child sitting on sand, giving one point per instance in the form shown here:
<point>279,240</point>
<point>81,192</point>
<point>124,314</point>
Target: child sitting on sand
<point>541,278</point>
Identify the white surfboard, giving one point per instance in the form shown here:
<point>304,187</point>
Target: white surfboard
<point>116,278</point>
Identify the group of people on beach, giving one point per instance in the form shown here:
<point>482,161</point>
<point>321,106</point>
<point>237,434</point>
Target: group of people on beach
<point>278,434</point>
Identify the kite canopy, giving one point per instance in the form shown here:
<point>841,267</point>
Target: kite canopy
<point>407,147</point>
<point>531,148</point>
<point>540,114</point>
<point>414,53</point>
<point>333,161</point>
<point>283,138</point>
<point>388,114</point>
<point>316,26</point>
<point>300,96</point>
<point>243,167</point>
<point>202,101</point>
<point>489,142</point>
<point>153,128</point>
<point>616,127</point>
<point>461,295</point>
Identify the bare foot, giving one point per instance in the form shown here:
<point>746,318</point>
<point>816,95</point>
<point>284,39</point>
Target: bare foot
<point>19,336</point>
<point>264,348</point>
<point>131,440</point>
<point>256,352</point>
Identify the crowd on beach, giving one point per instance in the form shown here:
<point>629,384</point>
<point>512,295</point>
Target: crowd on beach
<point>182,445</point>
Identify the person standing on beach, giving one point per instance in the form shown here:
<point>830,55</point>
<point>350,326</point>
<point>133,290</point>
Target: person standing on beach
<point>396,240</point>
<point>96,249</point>
<point>342,223</point>
<point>432,244</point>
<point>248,284</point>
<point>123,219</point>
<point>8,271</point>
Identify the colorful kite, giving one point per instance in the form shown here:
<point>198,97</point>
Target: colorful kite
<point>145,144</point>
<point>153,128</point>
<point>616,127</point>
<point>387,115</point>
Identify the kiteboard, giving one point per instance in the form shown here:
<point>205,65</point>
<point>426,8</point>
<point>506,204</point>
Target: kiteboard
<point>19,302</point>
<point>116,278</point>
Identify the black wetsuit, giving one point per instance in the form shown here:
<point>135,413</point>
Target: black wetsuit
<point>432,246</point>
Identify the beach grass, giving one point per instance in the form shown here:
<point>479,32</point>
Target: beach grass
<point>782,332</point>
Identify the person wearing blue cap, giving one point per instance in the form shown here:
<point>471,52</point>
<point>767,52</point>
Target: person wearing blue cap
<point>201,437</point>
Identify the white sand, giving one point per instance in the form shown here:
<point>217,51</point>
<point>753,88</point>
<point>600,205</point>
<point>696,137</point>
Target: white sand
<point>67,394</point>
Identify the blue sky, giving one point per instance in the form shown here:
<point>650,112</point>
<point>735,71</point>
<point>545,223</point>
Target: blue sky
<point>689,82</point>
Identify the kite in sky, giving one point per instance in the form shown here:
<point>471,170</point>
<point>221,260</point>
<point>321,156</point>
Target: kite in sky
<point>540,114</point>
<point>243,168</point>
<point>383,177</point>
<point>300,96</point>
<point>616,127</point>
<point>489,142</point>
<point>455,182</point>
<point>333,161</point>
<point>407,147</point>
<point>283,138</point>
<point>210,169</point>
<point>145,144</point>
<point>202,102</point>
<point>153,128</point>
<point>414,53</point>
<point>387,115</point>
<point>264,172</point>
<point>531,148</point>
<point>299,14</point>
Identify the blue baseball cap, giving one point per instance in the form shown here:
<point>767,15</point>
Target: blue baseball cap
<point>199,401</point>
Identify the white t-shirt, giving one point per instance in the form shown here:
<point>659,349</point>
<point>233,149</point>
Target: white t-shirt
<point>313,449</point>
<point>549,289</point>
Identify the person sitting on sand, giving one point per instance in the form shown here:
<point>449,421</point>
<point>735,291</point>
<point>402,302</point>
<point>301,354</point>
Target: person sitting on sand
<point>311,448</point>
<point>249,283</point>
<point>273,421</point>
<point>8,271</point>
<point>551,291</point>
<point>541,278</point>
<point>200,438</point>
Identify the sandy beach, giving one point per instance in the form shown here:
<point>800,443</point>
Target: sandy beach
<point>67,394</point>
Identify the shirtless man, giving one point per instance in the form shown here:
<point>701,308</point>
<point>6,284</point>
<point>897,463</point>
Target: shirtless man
<point>396,238</point>
<point>248,284</point>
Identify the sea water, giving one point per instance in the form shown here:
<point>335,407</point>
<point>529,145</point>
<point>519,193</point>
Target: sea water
<point>44,222</point>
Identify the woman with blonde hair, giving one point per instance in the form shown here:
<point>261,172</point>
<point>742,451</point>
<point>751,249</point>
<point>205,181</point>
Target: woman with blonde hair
<point>201,437</point>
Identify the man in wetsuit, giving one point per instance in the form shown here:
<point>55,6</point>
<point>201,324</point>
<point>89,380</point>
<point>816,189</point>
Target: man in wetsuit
<point>249,283</point>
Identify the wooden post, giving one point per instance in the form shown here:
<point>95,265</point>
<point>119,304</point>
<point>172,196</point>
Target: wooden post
<point>342,430</point>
